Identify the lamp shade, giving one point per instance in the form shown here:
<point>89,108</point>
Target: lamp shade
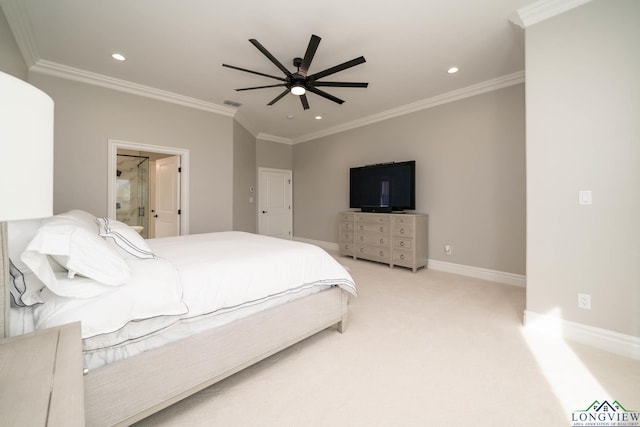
<point>26,150</point>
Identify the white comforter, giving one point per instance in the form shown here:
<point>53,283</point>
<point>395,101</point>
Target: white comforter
<point>192,276</point>
<point>223,271</point>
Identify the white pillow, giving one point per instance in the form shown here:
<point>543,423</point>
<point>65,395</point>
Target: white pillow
<point>25,286</point>
<point>152,291</point>
<point>79,251</point>
<point>81,217</point>
<point>124,237</point>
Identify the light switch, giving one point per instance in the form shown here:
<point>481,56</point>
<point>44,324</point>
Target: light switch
<point>584,197</point>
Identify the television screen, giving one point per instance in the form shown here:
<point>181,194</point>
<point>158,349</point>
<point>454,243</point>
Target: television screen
<point>383,187</point>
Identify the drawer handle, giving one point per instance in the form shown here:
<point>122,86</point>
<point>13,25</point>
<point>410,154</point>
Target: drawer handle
<point>402,256</point>
<point>361,227</point>
<point>361,250</point>
<point>346,247</point>
<point>362,238</point>
<point>402,243</point>
<point>381,253</point>
<point>402,231</point>
<point>382,241</point>
<point>382,229</point>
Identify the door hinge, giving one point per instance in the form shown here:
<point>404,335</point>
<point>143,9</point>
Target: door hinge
<point>179,211</point>
<point>289,181</point>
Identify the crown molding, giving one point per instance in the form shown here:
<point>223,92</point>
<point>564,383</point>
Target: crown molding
<point>83,76</point>
<point>274,138</point>
<point>245,123</point>
<point>542,10</point>
<point>16,15</point>
<point>469,91</point>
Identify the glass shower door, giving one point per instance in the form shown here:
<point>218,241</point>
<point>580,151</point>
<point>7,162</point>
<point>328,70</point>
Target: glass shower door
<point>132,192</point>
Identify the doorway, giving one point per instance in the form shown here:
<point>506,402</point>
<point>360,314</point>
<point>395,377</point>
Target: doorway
<point>135,188</point>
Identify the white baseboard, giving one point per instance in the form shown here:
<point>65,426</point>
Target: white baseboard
<point>479,273</point>
<point>605,339</point>
<point>463,270</point>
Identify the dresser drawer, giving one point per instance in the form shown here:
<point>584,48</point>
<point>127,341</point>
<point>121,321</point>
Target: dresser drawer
<point>372,239</point>
<point>346,226</point>
<point>375,218</point>
<point>372,227</point>
<point>403,258</point>
<point>372,253</point>
<point>346,236</point>
<point>346,248</point>
<point>403,243</point>
<point>404,220</point>
<point>347,216</point>
<point>403,230</point>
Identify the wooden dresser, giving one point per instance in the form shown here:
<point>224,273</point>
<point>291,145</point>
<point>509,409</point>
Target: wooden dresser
<point>394,239</point>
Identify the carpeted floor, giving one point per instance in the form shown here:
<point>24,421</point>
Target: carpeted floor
<point>422,349</point>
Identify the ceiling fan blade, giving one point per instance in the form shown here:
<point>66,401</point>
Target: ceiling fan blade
<point>277,98</point>
<point>337,68</point>
<point>260,87</point>
<point>308,56</point>
<point>341,84</point>
<point>272,58</point>
<point>305,102</point>
<point>253,72</point>
<point>324,94</point>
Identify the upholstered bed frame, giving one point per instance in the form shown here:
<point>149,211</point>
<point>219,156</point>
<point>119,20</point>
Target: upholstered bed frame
<point>127,391</point>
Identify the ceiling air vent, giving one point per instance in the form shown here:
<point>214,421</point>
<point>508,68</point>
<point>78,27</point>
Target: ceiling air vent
<point>232,103</point>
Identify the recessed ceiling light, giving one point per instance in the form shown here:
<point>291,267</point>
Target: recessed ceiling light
<point>290,116</point>
<point>118,57</point>
<point>452,70</point>
<point>318,117</point>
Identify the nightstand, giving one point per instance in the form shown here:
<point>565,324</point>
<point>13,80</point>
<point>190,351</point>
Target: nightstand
<point>41,380</point>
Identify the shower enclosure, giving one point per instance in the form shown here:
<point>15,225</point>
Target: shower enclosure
<point>132,192</point>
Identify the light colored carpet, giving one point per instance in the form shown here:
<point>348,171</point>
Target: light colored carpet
<point>420,349</point>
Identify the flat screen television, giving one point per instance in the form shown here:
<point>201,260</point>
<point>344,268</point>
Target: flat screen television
<point>384,187</point>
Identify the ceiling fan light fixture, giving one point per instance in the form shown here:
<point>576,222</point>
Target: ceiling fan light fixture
<point>298,90</point>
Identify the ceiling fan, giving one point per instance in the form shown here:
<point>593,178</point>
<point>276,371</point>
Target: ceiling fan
<point>300,82</point>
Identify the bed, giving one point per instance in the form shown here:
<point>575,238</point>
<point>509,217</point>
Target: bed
<point>164,318</point>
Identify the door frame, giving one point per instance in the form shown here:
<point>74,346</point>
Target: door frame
<point>261,170</point>
<point>115,144</point>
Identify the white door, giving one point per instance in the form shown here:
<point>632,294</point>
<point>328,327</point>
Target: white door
<point>167,215</point>
<point>275,214</point>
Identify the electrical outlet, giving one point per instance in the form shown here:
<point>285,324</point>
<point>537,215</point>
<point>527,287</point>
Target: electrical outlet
<point>447,249</point>
<point>584,301</point>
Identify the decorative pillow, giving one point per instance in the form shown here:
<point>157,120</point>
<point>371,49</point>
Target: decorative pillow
<point>25,287</point>
<point>79,251</point>
<point>125,238</point>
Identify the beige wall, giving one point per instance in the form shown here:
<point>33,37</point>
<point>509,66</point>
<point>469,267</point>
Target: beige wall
<point>244,177</point>
<point>274,155</point>
<point>583,115</point>
<point>11,61</point>
<point>470,176</point>
<point>86,117</point>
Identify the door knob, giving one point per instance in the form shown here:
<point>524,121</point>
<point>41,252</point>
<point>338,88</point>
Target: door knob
<point>265,212</point>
